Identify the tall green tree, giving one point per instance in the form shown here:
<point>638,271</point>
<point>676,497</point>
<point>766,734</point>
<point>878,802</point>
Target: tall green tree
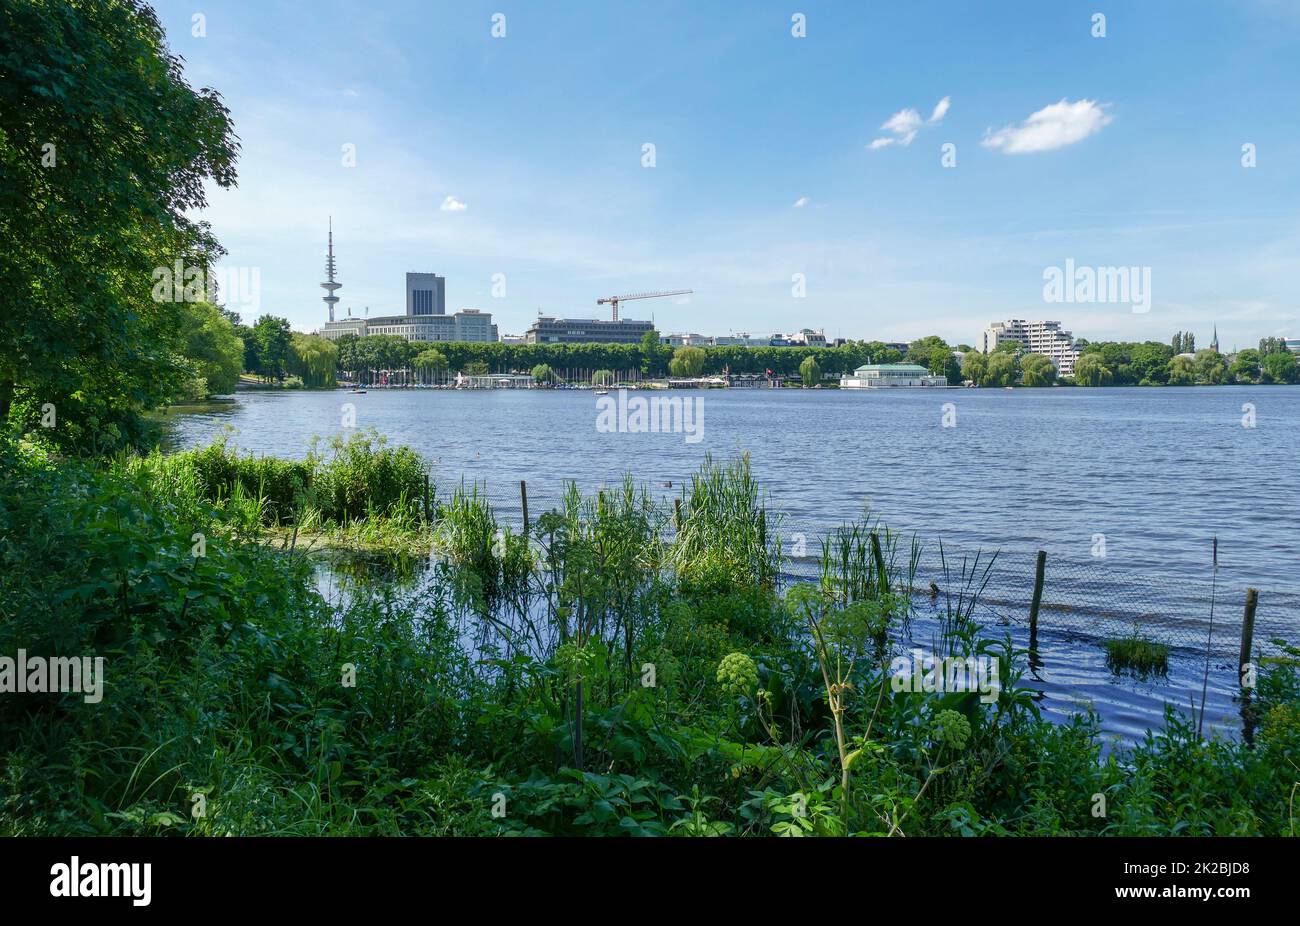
<point>431,363</point>
<point>1211,368</point>
<point>975,367</point>
<point>105,151</point>
<point>1091,370</point>
<point>1037,370</point>
<point>313,359</point>
<point>213,350</point>
<point>1245,367</point>
<point>810,373</point>
<point>1182,371</point>
<point>1003,369</point>
<point>652,362</point>
<point>273,337</point>
<point>687,362</point>
<point>1281,368</point>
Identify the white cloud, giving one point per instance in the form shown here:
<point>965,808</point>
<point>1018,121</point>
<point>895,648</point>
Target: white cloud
<point>801,202</point>
<point>452,204</point>
<point>1052,127</point>
<point>905,123</point>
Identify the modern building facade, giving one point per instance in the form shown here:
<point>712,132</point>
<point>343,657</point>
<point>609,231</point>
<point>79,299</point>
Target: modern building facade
<point>426,294</point>
<point>1036,337</point>
<point>549,330</point>
<point>426,317</point>
<point>892,376</point>
<point>1293,345</point>
<point>465,325</point>
<point>807,337</point>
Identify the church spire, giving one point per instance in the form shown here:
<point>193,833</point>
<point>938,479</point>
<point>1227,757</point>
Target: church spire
<point>1214,343</point>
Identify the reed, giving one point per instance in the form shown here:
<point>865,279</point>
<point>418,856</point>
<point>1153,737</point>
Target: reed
<point>1137,655</point>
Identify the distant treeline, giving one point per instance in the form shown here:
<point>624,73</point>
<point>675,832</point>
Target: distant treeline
<point>1102,363</point>
<point>648,358</point>
<point>1150,363</point>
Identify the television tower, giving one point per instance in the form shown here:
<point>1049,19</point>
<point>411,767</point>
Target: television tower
<point>329,285</point>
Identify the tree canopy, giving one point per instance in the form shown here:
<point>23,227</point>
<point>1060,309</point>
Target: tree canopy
<point>104,150</point>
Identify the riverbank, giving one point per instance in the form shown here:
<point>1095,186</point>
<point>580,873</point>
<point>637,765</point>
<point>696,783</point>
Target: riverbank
<point>596,674</point>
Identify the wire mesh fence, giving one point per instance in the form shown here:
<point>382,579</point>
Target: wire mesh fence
<point>1089,599</point>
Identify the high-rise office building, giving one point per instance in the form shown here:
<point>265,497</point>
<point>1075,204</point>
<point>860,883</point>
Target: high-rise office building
<point>426,317</point>
<point>550,330</point>
<point>426,294</point>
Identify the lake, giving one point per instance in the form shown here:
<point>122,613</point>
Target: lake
<point>1124,488</point>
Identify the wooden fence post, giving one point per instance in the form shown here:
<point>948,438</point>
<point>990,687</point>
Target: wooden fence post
<point>427,519</point>
<point>677,514</point>
<point>1039,572</point>
<point>1247,630</point>
<point>523,499</point>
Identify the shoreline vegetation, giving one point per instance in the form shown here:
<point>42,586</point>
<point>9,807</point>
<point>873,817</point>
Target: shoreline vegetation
<point>617,669</point>
<point>614,669</point>
<point>393,362</point>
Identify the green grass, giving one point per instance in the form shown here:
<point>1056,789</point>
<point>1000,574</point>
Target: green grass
<point>573,672</point>
<point>340,483</point>
<point>1137,655</point>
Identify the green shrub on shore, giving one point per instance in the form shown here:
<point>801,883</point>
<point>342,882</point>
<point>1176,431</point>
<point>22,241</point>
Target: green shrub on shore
<point>602,689</point>
<point>340,482</point>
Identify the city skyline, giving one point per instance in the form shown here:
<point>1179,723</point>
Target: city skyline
<point>979,343</point>
<point>521,156</point>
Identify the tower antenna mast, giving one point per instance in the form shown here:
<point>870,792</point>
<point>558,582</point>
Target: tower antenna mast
<point>330,285</point>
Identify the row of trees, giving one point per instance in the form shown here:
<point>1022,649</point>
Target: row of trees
<point>271,350</point>
<point>1150,363</point>
<point>365,356</point>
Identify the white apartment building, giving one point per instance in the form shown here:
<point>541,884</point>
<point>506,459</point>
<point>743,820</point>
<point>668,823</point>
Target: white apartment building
<point>686,340</point>
<point>808,337</point>
<point>1036,337</point>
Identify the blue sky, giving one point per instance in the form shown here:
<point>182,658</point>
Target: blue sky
<point>1135,159</point>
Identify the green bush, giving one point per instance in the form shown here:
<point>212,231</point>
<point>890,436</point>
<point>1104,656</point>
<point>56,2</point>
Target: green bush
<point>710,704</point>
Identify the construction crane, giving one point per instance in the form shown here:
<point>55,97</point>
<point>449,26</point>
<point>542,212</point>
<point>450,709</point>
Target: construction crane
<point>615,300</point>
